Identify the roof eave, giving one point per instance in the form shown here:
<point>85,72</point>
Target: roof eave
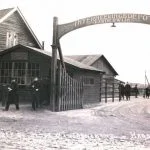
<point>26,23</point>
<point>31,31</point>
<point>42,53</point>
<point>110,65</point>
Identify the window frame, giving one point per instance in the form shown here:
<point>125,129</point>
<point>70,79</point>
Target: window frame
<point>11,39</point>
<point>89,81</point>
<point>18,70</point>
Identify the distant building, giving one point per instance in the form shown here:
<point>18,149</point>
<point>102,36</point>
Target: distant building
<point>100,62</point>
<point>97,61</point>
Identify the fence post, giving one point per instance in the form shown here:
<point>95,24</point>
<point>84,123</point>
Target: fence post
<point>81,90</point>
<point>119,93</point>
<point>113,91</point>
<point>105,91</point>
<point>100,94</point>
<point>59,87</point>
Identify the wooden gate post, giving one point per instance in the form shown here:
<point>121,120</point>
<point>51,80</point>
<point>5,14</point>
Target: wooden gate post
<point>113,91</point>
<point>106,91</point>
<point>100,94</point>
<point>59,86</point>
<point>54,64</point>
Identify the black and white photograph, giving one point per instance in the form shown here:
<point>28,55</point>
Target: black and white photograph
<point>74,75</point>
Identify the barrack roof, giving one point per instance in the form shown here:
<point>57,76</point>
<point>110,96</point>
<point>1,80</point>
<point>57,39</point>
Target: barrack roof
<point>47,53</point>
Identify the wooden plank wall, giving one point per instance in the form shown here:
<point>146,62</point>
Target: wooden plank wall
<point>69,92</point>
<point>14,23</point>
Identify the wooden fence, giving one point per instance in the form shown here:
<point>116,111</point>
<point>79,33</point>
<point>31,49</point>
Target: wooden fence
<point>69,92</point>
<point>109,90</point>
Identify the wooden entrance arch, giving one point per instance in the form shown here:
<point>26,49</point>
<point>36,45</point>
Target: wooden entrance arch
<point>60,30</point>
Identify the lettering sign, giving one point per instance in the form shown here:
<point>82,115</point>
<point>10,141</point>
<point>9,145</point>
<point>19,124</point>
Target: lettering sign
<point>108,18</point>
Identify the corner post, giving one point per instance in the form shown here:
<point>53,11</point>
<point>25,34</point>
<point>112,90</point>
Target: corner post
<point>54,64</point>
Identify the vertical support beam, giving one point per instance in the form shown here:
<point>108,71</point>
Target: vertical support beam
<point>105,91</point>
<point>81,91</point>
<point>100,94</point>
<point>119,91</point>
<point>12,72</point>
<point>113,91</point>
<point>60,55</point>
<point>58,103</point>
<point>54,64</point>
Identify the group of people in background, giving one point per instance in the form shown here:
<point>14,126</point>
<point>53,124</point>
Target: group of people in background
<point>126,89</point>
<point>40,93</point>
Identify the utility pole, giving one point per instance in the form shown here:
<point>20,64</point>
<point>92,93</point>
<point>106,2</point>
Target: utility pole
<point>146,79</point>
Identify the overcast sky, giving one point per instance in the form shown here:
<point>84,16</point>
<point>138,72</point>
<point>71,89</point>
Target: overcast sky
<point>126,47</point>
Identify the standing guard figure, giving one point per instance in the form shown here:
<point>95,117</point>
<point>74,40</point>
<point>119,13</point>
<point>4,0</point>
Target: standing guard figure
<point>121,91</point>
<point>35,85</point>
<point>12,95</point>
<point>147,92</point>
<point>127,91</point>
<point>136,91</point>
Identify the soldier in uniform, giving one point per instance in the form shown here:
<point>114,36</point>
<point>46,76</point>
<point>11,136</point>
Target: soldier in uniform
<point>121,91</point>
<point>35,86</point>
<point>147,92</point>
<point>136,91</point>
<point>127,91</point>
<point>12,95</point>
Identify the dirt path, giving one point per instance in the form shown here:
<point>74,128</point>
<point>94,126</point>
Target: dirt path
<point>119,125</point>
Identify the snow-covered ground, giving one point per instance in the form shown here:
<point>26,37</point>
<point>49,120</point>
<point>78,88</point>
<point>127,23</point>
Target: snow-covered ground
<point>121,125</point>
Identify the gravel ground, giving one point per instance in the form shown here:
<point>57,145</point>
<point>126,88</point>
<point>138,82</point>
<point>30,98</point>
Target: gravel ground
<point>121,125</point>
